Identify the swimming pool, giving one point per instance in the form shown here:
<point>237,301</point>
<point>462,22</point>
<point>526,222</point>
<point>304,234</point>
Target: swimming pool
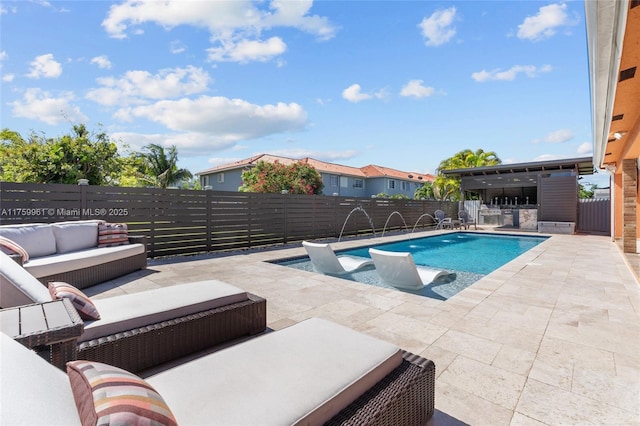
<point>469,255</point>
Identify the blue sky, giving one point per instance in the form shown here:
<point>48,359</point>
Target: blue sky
<point>401,84</point>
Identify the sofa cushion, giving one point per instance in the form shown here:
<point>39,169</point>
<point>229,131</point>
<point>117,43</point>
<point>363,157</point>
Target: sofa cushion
<point>303,374</point>
<point>112,234</point>
<point>59,263</point>
<point>17,286</point>
<point>86,309</point>
<point>107,395</point>
<point>38,240</point>
<point>74,236</point>
<point>134,310</point>
<point>34,392</point>
<point>11,247</point>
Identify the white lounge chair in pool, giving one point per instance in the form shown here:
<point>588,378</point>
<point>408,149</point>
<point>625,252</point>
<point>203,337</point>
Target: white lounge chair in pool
<point>325,260</point>
<point>399,270</point>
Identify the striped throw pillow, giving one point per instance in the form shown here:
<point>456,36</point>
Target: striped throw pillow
<point>85,307</point>
<point>11,247</point>
<point>107,395</point>
<point>112,234</point>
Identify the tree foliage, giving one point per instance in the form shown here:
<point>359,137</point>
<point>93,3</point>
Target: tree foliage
<point>297,178</point>
<point>425,192</point>
<point>584,193</point>
<point>160,166</point>
<point>66,159</point>
<point>448,188</point>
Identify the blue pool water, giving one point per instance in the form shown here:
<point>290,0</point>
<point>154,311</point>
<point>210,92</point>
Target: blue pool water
<point>470,256</point>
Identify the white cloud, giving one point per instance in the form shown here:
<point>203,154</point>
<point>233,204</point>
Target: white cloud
<point>438,28</point>
<point>530,71</point>
<point>235,27</point>
<point>136,86</point>
<point>549,157</point>
<point>585,148</point>
<point>329,156</point>
<point>558,136</point>
<point>188,143</point>
<point>45,66</point>
<point>3,55</point>
<point>176,47</point>
<point>544,24</point>
<point>416,89</point>
<point>222,118</point>
<point>37,104</point>
<point>8,78</point>
<point>218,161</point>
<point>248,50</point>
<point>102,62</point>
<point>354,94</point>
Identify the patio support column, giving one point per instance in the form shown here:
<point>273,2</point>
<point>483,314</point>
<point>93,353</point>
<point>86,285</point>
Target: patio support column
<point>629,203</point>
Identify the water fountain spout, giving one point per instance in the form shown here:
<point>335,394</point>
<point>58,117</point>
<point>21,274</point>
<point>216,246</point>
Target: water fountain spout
<point>349,215</point>
<point>433,219</point>
<point>387,222</point>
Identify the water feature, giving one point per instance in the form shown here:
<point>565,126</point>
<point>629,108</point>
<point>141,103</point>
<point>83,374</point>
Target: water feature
<point>387,222</point>
<point>466,255</point>
<point>349,215</point>
<point>433,219</point>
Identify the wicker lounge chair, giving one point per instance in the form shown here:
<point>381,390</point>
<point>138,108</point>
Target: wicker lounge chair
<point>314,372</point>
<point>141,330</point>
<point>442,220</point>
<point>399,270</point>
<point>466,219</point>
<point>325,260</point>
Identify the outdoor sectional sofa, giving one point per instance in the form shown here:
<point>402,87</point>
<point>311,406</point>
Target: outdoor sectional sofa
<point>314,372</point>
<point>69,251</point>
<point>140,330</point>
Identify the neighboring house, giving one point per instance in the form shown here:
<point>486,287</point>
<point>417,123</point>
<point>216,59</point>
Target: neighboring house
<point>340,180</point>
<point>613,31</point>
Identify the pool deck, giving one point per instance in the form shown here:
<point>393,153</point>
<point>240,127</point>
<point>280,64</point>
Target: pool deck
<point>551,338</point>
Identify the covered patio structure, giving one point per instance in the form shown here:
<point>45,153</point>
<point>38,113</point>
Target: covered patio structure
<point>523,194</point>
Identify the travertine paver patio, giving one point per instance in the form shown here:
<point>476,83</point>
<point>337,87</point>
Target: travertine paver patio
<point>552,337</point>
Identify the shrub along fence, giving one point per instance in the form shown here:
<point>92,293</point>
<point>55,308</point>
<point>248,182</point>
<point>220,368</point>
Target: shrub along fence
<point>178,222</point>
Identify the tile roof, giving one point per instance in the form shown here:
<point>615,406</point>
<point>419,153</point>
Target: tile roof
<point>370,171</point>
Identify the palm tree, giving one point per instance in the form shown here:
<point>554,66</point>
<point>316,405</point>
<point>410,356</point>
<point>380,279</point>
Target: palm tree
<point>162,166</point>
<point>448,188</point>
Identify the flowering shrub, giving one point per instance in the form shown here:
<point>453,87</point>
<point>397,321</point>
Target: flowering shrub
<point>297,178</point>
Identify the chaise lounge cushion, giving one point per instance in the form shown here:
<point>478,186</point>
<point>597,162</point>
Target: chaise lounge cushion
<point>303,374</point>
<point>107,395</point>
<point>33,392</point>
<point>134,310</point>
<point>17,286</point>
<point>60,263</point>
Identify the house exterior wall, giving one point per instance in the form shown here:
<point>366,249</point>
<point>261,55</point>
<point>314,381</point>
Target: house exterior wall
<point>231,180</point>
<point>344,186</point>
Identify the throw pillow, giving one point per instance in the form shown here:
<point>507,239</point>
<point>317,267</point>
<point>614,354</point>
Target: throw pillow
<point>11,247</point>
<point>110,395</point>
<point>112,234</point>
<point>85,307</point>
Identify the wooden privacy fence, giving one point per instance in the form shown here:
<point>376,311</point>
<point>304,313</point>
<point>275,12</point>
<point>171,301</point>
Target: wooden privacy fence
<point>178,222</point>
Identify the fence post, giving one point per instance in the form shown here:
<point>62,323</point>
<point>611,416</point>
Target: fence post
<point>209,202</point>
<point>83,200</point>
<point>286,223</point>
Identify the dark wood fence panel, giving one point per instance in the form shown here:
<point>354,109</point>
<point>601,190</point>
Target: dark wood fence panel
<point>594,216</point>
<point>179,221</point>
